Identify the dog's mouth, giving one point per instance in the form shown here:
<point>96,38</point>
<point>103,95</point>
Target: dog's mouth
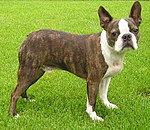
<point>127,46</point>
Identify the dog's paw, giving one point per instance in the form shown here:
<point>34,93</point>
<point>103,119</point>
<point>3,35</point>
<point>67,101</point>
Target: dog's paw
<point>94,117</point>
<point>25,99</point>
<point>110,105</point>
<point>32,100</point>
<point>16,116</point>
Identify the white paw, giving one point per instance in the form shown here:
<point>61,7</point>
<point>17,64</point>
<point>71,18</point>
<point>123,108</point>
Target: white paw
<point>25,99</point>
<point>95,117</point>
<point>32,100</point>
<point>110,105</point>
<point>16,116</point>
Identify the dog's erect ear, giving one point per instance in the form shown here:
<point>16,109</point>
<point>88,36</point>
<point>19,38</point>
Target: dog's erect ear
<point>105,17</point>
<point>135,13</point>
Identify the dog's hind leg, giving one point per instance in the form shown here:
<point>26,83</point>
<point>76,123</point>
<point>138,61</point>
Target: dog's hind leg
<point>26,77</point>
<point>34,79</point>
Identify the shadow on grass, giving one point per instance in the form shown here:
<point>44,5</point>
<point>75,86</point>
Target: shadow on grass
<point>145,92</point>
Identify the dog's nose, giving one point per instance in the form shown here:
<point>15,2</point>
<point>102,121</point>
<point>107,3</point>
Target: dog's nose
<point>126,37</point>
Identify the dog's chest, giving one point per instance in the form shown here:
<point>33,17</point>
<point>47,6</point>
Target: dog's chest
<point>113,59</point>
<point>113,68</point>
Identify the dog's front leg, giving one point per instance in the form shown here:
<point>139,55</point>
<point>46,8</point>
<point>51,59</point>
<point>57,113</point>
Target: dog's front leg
<point>92,90</point>
<point>103,93</point>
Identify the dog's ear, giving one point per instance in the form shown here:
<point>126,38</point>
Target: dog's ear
<point>135,13</point>
<point>105,17</point>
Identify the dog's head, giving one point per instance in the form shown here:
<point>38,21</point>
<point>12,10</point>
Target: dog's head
<point>122,35</point>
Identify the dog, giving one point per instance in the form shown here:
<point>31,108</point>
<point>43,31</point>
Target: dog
<point>93,57</point>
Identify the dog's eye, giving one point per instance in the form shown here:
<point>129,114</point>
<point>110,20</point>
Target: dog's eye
<point>113,34</point>
<point>135,31</point>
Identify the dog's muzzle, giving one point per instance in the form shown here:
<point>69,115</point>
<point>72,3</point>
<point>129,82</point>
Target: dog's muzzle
<point>127,41</point>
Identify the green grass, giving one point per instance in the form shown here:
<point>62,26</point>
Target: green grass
<point>61,97</point>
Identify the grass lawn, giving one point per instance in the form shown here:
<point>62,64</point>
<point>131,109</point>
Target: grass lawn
<point>61,97</point>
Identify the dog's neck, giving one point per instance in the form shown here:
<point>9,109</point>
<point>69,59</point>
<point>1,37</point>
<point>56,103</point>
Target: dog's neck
<point>113,59</point>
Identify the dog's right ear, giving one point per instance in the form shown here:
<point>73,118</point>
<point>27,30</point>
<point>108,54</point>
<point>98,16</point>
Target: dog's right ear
<point>105,17</point>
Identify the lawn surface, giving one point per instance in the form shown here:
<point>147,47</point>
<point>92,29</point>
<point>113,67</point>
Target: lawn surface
<point>61,97</point>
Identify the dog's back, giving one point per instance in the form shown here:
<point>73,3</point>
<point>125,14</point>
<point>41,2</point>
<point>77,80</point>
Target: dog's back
<point>51,49</point>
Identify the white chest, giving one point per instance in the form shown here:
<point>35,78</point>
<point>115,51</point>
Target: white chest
<point>113,59</point>
<point>113,69</point>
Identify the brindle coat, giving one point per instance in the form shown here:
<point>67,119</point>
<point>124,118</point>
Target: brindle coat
<point>50,49</point>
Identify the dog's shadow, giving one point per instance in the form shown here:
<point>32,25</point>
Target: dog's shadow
<point>103,111</point>
<point>55,105</point>
<point>37,104</point>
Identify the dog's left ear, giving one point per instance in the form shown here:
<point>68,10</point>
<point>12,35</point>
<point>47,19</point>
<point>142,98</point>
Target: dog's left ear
<point>135,13</point>
<point>105,17</point>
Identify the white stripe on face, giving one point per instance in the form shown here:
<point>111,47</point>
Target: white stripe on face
<point>123,26</point>
<point>124,29</point>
